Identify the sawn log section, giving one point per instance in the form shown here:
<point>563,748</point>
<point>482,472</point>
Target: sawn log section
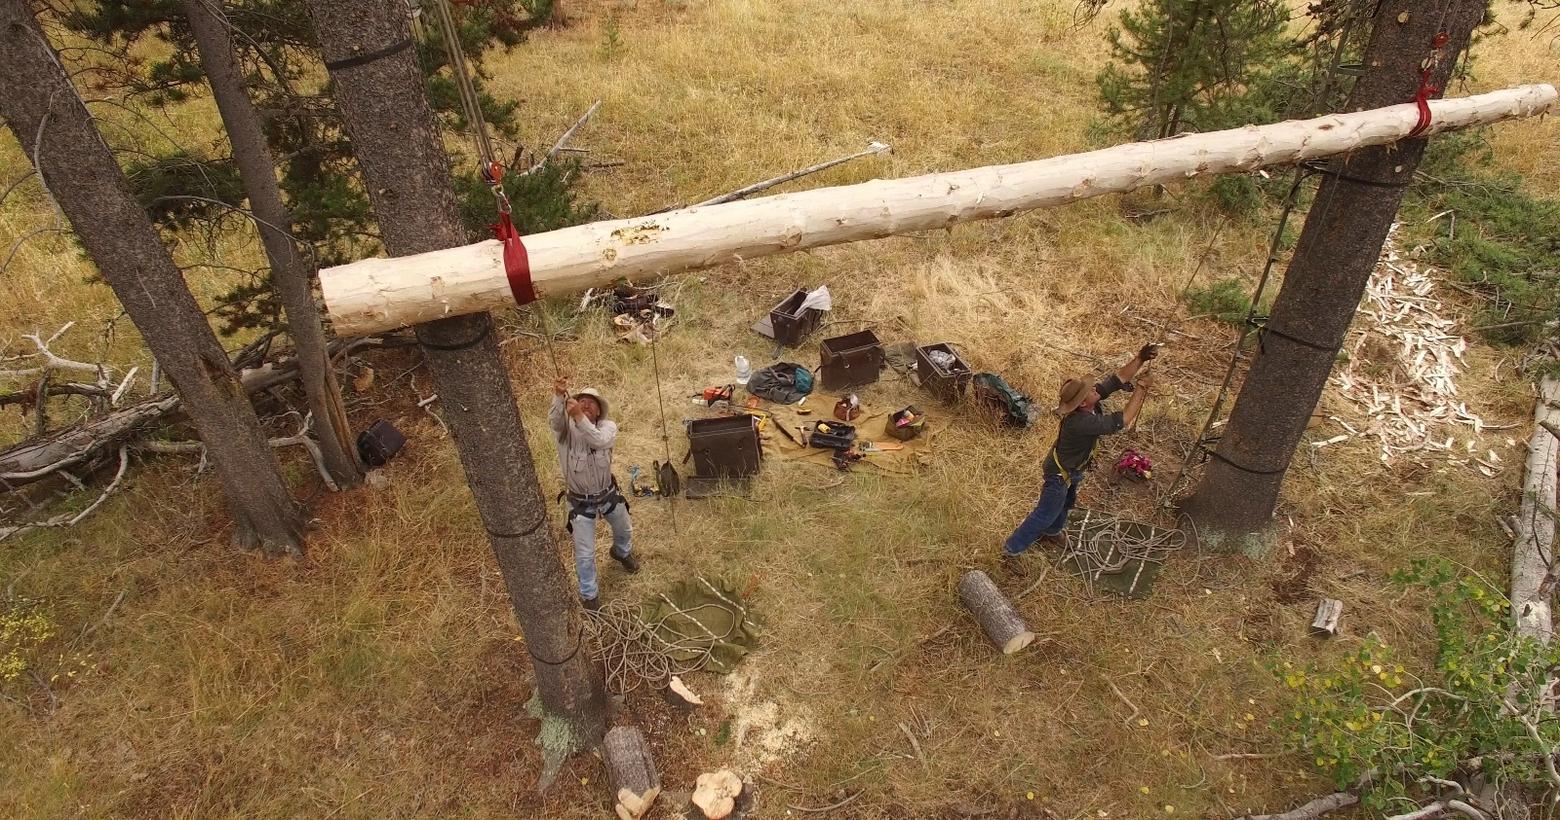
<point>373,295</point>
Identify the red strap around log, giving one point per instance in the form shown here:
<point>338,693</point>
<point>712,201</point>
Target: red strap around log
<point>1426,89</point>
<point>517,265</point>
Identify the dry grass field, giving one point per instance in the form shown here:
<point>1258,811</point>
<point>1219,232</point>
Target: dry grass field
<point>381,676</point>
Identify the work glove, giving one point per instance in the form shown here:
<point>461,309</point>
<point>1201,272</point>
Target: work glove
<point>1148,352</point>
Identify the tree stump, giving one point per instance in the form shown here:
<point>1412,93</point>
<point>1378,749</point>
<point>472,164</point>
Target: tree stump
<point>996,614</point>
<point>630,771</point>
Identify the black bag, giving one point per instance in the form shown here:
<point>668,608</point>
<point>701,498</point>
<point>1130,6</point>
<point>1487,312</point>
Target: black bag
<point>781,383</point>
<point>379,443</point>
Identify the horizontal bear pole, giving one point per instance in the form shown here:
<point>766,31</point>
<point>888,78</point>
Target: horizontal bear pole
<point>375,295</point>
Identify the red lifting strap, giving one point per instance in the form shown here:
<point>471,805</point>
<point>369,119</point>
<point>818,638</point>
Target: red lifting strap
<point>1426,90</point>
<point>517,265</point>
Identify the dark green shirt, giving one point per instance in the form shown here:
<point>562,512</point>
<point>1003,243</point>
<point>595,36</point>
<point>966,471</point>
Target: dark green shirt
<point>1081,429</point>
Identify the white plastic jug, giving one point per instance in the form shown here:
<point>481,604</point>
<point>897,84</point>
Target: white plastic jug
<point>744,372</point>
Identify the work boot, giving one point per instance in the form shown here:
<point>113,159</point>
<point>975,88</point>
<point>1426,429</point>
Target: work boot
<point>1013,564</point>
<point>629,562</point>
<point>1058,540</point>
<point>592,604</point>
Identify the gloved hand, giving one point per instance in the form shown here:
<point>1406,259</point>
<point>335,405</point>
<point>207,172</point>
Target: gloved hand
<point>1148,352</point>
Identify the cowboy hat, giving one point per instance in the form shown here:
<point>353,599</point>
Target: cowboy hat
<point>1072,394</point>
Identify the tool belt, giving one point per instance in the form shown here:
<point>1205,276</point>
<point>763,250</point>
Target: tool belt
<point>585,505</point>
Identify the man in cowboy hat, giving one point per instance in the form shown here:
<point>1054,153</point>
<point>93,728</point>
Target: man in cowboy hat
<point>1083,423</point>
<point>585,438</point>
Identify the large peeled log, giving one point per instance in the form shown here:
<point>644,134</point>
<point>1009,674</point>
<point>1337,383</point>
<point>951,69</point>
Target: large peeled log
<point>377,294</point>
<point>1532,581</point>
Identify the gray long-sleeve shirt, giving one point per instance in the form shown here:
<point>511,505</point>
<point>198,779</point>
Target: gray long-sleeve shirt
<point>584,449</point>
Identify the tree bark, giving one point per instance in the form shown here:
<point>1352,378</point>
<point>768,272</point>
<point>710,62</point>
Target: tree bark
<point>371,295</point>
<point>1339,247</point>
<point>290,272</point>
<point>56,131</point>
<point>1533,573</point>
<point>407,174</point>
<point>998,619</point>
<point>631,768</point>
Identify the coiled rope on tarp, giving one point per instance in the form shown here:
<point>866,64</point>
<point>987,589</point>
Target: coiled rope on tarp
<point>1103,544</point>
<point>677,640</point>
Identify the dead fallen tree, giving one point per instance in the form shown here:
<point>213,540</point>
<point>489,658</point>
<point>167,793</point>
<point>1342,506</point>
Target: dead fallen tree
<point>1533,571</point>
<point>373,295</point>
<point>38,458</point>
<point>90,441</point>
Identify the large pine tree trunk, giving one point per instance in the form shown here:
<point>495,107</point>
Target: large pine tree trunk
<point>55,130</point>
<point>398,148</point>
<point>290,272</point>
<point>1338,249</point>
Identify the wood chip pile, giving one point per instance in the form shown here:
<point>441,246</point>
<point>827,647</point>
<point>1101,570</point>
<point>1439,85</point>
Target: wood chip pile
<point>1409,403</point>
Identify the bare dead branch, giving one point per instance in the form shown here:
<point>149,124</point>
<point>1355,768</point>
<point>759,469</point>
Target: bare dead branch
<point>558,146</point>
<point>872,149</point>
<point>70,519</point>
<point>1312,810</point>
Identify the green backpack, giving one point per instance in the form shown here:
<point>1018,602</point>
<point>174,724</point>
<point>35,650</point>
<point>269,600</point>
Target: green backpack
<point>1017,409</point>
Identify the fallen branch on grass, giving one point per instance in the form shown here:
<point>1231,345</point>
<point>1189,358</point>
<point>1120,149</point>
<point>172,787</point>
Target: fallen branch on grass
<point>822,809</point>
<point>563,141</point>
<point>873,148</point>
<point>37,458</point>
<point>1533,574</point>
<point>1312,810</point>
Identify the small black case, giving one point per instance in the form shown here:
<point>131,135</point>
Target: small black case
<point>379,443</point>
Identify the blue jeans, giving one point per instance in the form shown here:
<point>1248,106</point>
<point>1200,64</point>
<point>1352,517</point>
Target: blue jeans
<point>1049,517</point>
<point>585,542</point>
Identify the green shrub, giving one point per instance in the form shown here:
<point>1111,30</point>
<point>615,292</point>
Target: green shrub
<point>1226,300</point>
<point>1237,195</point>
<point>1382,712</point>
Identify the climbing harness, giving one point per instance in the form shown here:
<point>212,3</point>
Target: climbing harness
<point>585,506</point>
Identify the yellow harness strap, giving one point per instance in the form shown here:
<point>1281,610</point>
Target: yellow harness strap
<point>1066,473</point>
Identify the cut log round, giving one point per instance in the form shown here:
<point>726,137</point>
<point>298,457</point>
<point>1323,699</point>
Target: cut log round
<point>370,295</point>
<point>630,771</point>
<point>997,617</point>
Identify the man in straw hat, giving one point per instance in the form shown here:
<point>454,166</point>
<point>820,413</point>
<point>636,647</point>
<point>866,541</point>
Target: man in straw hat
<point>1083,423</point>
<point>585,438</point>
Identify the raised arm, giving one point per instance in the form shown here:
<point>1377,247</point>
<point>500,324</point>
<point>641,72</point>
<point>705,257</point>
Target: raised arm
<point>1130,369</point>
<point>557,415</point>
<point>599,435</point>
<point>1135,404</point>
